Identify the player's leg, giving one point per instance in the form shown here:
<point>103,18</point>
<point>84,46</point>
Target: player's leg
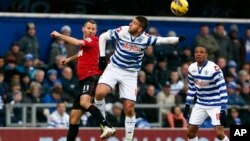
<point>74,120</point>
<point>214,114</point>
<point>197,117</point>
<point>128,92</point>
<point>106,82</point>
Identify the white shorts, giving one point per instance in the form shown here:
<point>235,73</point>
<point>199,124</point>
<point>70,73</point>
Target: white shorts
<point>127,81</point>
<point>200,113</point>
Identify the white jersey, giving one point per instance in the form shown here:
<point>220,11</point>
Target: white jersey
<point>130,50</point>
<point>208,84</point>
<point>58,121</point>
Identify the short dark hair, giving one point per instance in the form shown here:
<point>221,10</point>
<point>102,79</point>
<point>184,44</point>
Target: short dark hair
<point>199,45</point>
<point>90,21</point>
<point>143,22</point>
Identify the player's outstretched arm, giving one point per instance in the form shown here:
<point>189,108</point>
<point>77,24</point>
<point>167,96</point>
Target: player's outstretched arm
<point>170,40</point>
<point>69,59</point>
<point>68,39</point>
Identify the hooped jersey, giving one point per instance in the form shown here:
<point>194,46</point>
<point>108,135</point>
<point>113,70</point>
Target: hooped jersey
<point>129,50</point>
<point>208,84</point>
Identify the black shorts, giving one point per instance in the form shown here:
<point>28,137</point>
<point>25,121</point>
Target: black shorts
<point>87,86</point>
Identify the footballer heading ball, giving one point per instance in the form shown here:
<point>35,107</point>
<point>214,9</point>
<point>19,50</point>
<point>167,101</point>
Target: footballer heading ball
<point>179,7</point>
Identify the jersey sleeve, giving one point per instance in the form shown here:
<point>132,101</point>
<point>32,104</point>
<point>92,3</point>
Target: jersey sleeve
<point>191,89</point>
<point>114,33</point>
<point>221,84</point>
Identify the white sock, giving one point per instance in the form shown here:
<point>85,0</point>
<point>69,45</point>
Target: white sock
<point>101,106</point>
<point>225,139</point>
<point>194,139</point>
<point>129,128</point>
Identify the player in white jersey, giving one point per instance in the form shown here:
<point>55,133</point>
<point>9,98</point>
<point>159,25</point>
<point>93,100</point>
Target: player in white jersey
<point>207,83</point>
<point>125,63</point>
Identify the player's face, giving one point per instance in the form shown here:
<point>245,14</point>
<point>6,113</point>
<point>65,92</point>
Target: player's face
<point>200,54</point>
<point>134,27</point>
<point>89,29</point>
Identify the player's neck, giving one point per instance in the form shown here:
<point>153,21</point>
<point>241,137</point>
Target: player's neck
<point>201,64</point>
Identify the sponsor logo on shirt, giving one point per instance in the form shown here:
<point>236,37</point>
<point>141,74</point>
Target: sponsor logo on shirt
<point>131,48</point>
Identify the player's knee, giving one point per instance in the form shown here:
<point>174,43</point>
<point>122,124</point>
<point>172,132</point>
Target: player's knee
<point>191,133</point>
<point>129,109</point>
<point>102,90</point>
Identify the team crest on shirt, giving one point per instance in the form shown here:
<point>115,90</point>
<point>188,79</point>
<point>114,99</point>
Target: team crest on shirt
<point>88,39</point>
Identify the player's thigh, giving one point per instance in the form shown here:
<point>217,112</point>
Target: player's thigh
<point>75,116</point>
<point>128,86</point>
<point>198,115</point>
<point>88,85</point>
<point>109,77</point>
<point>214,114</point>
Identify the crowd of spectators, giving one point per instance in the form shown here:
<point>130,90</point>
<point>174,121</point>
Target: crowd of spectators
<point>24,78</point>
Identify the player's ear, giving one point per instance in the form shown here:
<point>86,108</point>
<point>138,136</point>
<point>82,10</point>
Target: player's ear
<point>83,29</point>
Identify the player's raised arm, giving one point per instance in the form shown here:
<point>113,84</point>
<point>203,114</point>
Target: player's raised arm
<point>68,39</point>
<point>170,40</point>
<point>104,37</point>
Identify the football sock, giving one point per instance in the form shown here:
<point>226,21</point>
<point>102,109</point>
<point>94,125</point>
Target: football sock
<point>95,112</point>
<point>101,106</point>
<point>129,128</point>
<point>72,132</point>
<point>194,139</point>
<point>225,139</point>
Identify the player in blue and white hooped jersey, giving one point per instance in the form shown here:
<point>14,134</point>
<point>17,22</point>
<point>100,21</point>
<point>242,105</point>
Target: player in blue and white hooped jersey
<point>206,82</point>
<point>125,63</point>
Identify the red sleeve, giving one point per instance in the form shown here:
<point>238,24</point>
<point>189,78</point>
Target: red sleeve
<point>90,41</point>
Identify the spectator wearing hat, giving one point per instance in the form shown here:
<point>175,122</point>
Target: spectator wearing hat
<point>234,97</point>
<point>164,97</point>
<point>232,69</point>
<point>51,80</point>
<point>28,67</point>
<point>16,53</point>
<point>236,45</point>
<point>71,49</point>
<point>29,42</point>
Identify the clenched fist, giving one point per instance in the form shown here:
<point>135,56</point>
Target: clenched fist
<point>54,34</point>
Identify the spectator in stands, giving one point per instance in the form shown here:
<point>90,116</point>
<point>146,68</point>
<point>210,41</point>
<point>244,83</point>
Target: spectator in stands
<point>59,118</point>
<point>58,66</point>
<point>164,97</point>
<point>70,84</point>
<point>4,87</point>
<point>71,50</point>
<point>246,115</point>
<point>57,47</point>
<point>245,45</point>
<point>204,38</point>
<point>150,114</point>
<point>235,117</point>
<point>187,56</point>
<point>243,77</point>
<point>2,111</point>
<point>116,116</point>
<point>2,62</point>
<point>183,72</point>
<point>161,71</point>
<point>176,83</point>
<point>234,98</point>
<point>34,96</point>
<point>54,96</point>
<point>29,42</point>
<point>175,118</point>
<point>16,112</point>
<point>151,78</point>
<point>225,45</point>
<point>232,69</point>
<point>245,93</point>
<point>236,45</point>
<point>51,80</point>
<point>25,83</point>
<point>222,63</point>
<point>28,67</point>
<point>141,82</point>
<point>39,78</point>
<point>149,56</point>
<point>16,53</point>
